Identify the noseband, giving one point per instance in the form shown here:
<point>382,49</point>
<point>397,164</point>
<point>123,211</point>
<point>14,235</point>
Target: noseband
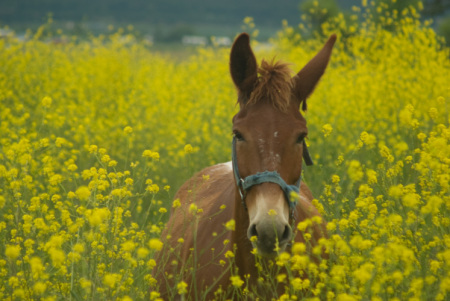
<point>268,176</point>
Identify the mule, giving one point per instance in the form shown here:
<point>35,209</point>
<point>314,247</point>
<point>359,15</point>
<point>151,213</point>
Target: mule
<point>233,217</point>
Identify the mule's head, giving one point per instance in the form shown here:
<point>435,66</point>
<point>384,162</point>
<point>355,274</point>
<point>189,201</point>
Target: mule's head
<point>269,131</point>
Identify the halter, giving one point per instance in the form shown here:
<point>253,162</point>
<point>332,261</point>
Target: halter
<point>268,176</point>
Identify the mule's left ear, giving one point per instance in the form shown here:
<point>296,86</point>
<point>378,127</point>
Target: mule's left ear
<point>306,80</point>
<point>243,67</point>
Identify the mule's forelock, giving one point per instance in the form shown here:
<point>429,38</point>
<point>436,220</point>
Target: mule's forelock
<point>274,85</point>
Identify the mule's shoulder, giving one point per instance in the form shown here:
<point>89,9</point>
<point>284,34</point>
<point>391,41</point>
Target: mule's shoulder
<point>210,185</point>
<point>206,204</point>
<point>218,170</point>
<point>222,173</point>
<point>208,199</point>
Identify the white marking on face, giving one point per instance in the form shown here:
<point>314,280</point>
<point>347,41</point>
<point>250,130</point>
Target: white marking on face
<point>261,145</point>
<point>275,134</point>
<point>277,157</point>
<point>273,160</point>
<point>266,207</point>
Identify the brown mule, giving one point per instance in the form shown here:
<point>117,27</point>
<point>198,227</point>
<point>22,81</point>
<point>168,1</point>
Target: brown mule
<point>230,211</point>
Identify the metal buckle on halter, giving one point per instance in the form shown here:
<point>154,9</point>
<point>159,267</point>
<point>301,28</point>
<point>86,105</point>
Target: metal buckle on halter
<point>241,188</point>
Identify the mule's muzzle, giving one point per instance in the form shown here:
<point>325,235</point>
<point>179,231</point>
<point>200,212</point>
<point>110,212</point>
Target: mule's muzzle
<point>269,237</point>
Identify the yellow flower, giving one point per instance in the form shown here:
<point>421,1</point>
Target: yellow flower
<point>97,216</point>
<point>151,264</point>
<point>155,296</point>
<point>193,208</point>
<point>12,251</point>
<point>176,203</point>
<point>303,225</point>
<point>105,158</point>
<point>297,284</point>
<point>188,149</point>
<point>72,167</point>
<point>298,248</point>
<point>59,141</point>
<point>386,153</point>
<point>153,188</point>
<point>335,179</point>
<point>142,252</point>
<point>368,139</point>
<point>57,256</point>
<point>345,297</point>
<point>83,193</point>
<point>327,129</point>
<point>55,179</point>
<point>128,246</point>
<point>79,248</point>
<point>364,273</point>
<point>128,130</point>
<point>39,288</point>
<point>93,148</point>
<point>433,205</point>
<point>272,212</point>
<point>111,280</point>
<point>371,177</point>
<point>283,259</point>
<point>355,171</point>
<point>281,278</point>
<point>411,200</point>
<point>236,281</point>
<point>155,244</point>
<point>182,287</point>
<point>230,225</point>
<point>150,154</point>
<point>46,101</point>
<point>129,181</point>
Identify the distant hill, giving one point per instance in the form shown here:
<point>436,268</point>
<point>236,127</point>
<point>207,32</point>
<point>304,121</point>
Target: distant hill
<point>165,17</point>
<point>266,12</point>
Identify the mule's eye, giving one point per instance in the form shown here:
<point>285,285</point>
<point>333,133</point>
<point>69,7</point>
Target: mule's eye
<point>238,136</point>
<point>300,138</point>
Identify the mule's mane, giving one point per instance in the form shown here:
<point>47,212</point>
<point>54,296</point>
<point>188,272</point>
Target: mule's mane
<point>274,85</point>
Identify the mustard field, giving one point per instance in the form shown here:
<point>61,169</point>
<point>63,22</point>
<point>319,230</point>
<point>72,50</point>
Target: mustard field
<point>96,136</point>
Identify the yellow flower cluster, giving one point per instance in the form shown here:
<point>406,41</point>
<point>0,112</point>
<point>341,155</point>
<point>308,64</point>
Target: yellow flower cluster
<point>84,152</point>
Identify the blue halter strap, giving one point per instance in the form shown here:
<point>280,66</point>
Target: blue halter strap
<point>267,176</point>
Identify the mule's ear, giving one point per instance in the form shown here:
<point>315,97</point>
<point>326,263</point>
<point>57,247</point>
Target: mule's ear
<point>243,67</point>
<point>306,80</point>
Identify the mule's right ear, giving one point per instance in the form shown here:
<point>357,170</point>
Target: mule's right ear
<point>243,67</point>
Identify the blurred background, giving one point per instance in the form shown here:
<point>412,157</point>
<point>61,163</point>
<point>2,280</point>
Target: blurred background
<point>191,21</point>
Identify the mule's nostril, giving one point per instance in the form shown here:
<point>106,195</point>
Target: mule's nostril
<point>286,234</point>
<point>252,231</point>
